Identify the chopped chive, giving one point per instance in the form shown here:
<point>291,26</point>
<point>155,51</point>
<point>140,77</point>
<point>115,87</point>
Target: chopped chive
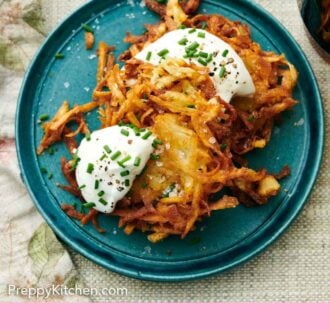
<point>225,52</point>
<point>163,52</point>
<point>102,201</point>
<point>76,160</point>
<point>82,186</point>
<point>201,61</point>
<point>204,25</point>
<point>191,106</point>
<point>203,54</point>
<point>161,1</point>
<point>126,183</point>
<point>192,30</point>
<point>43,117</point>
<point>144,185</point>
<point>88,136</point>
<point>82,209</point>
<point>192,46</point>
<point>43,170</point>
<point>209,58</point>
<point>74,205</point>
<point>124,132</point>
<point>146,135</point>
<point>126,159</point>
<point>137,161</point>
<point>223,146</point>
<point>201,35</point>
<point>279,80</point>
<point>182,27</point>
<point>87,28</point>
<point>250,118</point>
<point>51,151</point>
<point>88,205</point>
<point>154,157</point>
<point>101,193</point>
<point>50,176</point>
<point>59,56</point>
<point>156,142</point>
<point>107,149</point>
<point>103,156</point>
<point>183,41</point>
<point>148,57</point>
<point>137,131</point>
<point>121,123</point>
<point>90,168</point>
<point>96,184</point>
<point>124,173</point>
<point>115,155</point>
<point>222,72</point>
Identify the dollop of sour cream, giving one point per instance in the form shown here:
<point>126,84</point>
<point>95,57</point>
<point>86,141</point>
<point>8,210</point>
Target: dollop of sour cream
<point>226,69</point>
<point>110,160</point>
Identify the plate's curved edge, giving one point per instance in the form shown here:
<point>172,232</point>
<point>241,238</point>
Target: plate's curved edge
<point>318,154</point>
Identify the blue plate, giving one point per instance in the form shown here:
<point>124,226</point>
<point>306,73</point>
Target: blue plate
<point>220,242</point>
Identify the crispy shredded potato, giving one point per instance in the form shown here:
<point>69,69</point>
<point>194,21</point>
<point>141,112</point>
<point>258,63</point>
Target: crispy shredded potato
<point>202,136</point>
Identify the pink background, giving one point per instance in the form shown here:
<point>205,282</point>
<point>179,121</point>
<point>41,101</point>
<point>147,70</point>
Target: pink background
<point>165,316</point>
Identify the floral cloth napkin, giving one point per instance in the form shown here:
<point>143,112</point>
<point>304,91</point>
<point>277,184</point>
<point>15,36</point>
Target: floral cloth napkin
<point>31,257</point>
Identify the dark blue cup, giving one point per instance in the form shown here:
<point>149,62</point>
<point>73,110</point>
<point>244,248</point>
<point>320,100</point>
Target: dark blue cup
<point>311,11</point>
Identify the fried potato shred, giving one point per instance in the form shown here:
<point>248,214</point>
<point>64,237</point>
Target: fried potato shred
<point>202,136</point>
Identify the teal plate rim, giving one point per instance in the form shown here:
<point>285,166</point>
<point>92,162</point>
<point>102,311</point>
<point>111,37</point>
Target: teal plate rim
<point>144,269</point>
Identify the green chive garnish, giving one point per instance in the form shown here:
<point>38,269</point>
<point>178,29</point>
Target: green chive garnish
<point>82,186</point>
<point>51,151</point>
<point>279,80</point>
<point>88,205</point>
<point>163,52</point>
<point>59,56</point>
<point>250,118</point>
<point>76,160</point>
<point>154,157</point>
<point>124,173</point>
<point>148,57</point>
<point>126,159</point>
<point>107,149</point>
<point>96,184</point>
<point>87,28</point>
<point>90,168</point>
<point>102,201</point>
<point>137,161</point>
<point>115,155</point>
<point>192,46</point>
<point>161,1</point>
<point>74,205</point>
<point>126,183</point>
<point>210,58</point>
<point>191,106</point>
<point>192,30</point>
<point>156,142</point>
<point>223,146</point>
<point>183,42</point>
<point>50,176</point>
<point>225,52</point>
<point>88,136</point>
<point>201,35</point>
<point>43,170</point>
<point>43,117</point>
<point>204,25</point>
<point>203,54</point>
<point>124,132</point>
<point>182,26</point>
<point>222,72</point>
<point>103,156</point>
<point>201,61</point>
<point>101,193</point>
<point>146,135</point>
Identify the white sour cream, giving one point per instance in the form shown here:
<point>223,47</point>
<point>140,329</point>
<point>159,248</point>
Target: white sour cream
<point>109,162</point>
<point>227,70</point>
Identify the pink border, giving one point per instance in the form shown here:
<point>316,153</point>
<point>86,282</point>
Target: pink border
<point>165,316</point>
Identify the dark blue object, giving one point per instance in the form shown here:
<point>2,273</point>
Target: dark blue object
<point>220,242</point>
<point>311,14</point>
